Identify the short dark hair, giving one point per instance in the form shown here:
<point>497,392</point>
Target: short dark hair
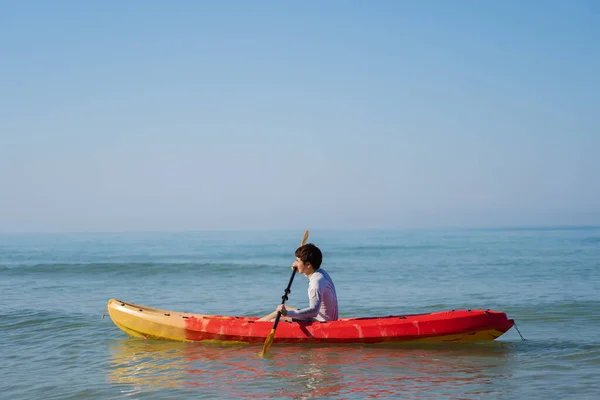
<point>311,254</point>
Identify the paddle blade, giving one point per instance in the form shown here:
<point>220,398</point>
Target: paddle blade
<point>268,342</point>
<point>304,239</point>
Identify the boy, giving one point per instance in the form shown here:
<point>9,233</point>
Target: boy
<point>322,298</point>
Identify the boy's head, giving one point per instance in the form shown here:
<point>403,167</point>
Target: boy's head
<point>309,253</point>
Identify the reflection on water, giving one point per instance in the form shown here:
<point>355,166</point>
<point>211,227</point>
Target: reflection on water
<point>296,371</point>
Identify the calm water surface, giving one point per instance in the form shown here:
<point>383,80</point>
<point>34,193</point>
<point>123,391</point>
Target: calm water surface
<point>55,344</point>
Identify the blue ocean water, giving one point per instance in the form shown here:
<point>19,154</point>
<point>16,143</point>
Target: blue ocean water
<point>56,345</point>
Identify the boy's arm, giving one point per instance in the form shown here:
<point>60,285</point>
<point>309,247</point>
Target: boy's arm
<point>309,312</point>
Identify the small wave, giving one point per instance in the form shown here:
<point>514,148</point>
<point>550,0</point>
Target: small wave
<point>557,312</point>
<point>145,268</point>
<point>591,240</point>
<point>30,323</point>
<point>395,247</point>
<point>369,250</point>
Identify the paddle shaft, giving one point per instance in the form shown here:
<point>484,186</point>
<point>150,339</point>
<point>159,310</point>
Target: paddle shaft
<point>271,337</point>
<point>284,298</point>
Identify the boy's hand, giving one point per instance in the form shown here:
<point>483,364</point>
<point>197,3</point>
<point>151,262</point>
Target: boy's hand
<point>281,308</point>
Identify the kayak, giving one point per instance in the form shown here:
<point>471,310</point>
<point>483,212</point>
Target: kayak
<point>443,326</point>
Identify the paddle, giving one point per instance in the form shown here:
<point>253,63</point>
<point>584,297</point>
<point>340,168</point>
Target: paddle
<point>271,337</point>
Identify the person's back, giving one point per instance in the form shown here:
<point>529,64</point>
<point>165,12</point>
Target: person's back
<point>322,298</point>
<point>323,305</point>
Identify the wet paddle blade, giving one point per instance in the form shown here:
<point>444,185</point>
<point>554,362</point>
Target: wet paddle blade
<point>268,342</point>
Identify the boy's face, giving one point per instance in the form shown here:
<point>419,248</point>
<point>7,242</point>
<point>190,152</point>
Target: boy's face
<point>303,268</point>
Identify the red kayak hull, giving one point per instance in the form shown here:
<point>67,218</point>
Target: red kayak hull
<point>448,326</point>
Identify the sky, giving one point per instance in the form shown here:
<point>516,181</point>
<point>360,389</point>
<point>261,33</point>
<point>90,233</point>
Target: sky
<point>155,115</point>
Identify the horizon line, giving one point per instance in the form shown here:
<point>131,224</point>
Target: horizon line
<point>365,229</point>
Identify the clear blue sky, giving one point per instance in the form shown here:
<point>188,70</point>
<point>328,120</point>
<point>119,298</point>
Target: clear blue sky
<point>156,115</point>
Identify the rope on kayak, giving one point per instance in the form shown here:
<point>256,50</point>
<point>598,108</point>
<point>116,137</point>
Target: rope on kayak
<point>522,338</point>
<point>104,312</point>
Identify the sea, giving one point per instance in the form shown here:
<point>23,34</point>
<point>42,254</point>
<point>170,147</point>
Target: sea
<point>57,342</point>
